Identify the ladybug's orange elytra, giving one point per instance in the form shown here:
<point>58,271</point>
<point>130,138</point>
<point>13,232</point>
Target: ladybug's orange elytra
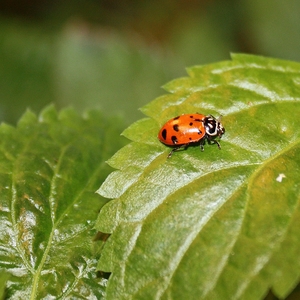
<point>183,130</point>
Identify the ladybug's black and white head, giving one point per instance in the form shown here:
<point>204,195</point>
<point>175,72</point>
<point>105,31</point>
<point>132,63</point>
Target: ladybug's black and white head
<point>213,127</point>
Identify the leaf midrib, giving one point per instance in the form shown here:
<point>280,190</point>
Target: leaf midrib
<point>90,182</point>
<point>36,276</point>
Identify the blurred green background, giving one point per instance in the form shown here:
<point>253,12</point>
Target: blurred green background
<point>116,55</point>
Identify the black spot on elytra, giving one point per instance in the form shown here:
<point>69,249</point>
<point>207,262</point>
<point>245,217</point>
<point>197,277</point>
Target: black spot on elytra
<point>191,124</point>
<point>174,139</point>
<point>164,134</point>
<point>198,120</point>
<point>176,127</point>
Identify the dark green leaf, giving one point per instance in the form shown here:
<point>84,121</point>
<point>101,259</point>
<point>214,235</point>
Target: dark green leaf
<point>213,224</point>
<point>50,168</point>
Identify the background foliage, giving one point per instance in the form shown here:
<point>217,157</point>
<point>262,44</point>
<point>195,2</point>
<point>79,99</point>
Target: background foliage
<point>116,54</point>
<point>50,168</point>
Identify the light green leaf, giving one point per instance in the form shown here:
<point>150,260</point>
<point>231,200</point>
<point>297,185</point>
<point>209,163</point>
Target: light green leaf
<point>50,167</point>
<point>213,224</point>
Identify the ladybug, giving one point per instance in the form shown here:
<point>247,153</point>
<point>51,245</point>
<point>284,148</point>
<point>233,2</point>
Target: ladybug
<point>191,128</point>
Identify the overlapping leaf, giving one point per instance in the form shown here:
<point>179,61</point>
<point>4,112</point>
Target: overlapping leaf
<point>213,224</point>
<point>49,170</point>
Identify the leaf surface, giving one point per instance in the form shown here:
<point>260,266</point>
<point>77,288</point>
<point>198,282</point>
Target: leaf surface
<point>50,167</point>
<point>213,224</point>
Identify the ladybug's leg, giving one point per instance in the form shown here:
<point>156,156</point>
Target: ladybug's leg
<point>202,147</point>
<point>184,146</point>
<point>219,146</point>
<point>202,143</point>
<point>211,142</point>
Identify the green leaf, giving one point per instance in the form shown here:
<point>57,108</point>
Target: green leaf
<point>50,168</point>
<point>213,224</point>
<point>4,276</point>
